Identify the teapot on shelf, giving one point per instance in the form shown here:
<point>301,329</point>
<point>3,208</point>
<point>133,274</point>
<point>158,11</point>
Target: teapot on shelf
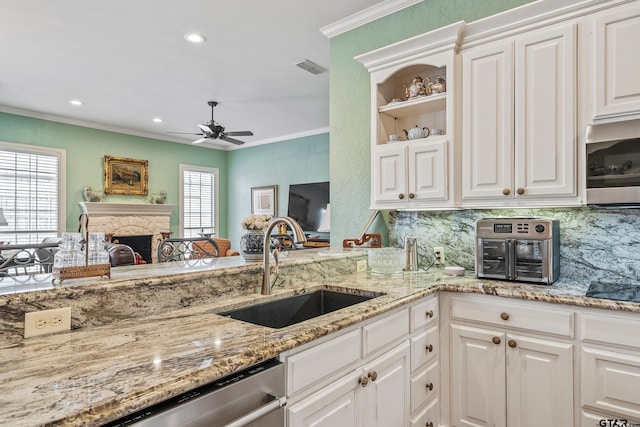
<point>417,132</point>
<point>417,87</point>
<point>439,86</point>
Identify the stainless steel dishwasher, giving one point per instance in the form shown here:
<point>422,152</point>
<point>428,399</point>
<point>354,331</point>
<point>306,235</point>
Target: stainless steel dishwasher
<point>252,397</point>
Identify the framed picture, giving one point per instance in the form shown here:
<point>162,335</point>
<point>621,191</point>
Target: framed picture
<point>125,176</point>
<point>264,200</point>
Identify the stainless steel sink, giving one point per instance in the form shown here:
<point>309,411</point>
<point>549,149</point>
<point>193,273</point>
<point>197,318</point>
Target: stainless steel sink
<point>288,311</point>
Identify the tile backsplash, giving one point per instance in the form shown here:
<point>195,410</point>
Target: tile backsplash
<point>595,243</point>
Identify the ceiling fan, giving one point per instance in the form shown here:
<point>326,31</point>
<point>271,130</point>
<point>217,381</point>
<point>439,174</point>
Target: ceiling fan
<point>214,130</point>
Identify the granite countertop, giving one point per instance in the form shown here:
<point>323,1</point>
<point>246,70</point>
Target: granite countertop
<point>94,375</point>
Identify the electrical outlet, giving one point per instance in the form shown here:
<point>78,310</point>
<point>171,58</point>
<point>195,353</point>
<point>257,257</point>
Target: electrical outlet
<point>361,265</point>
<point>438,252</point>
<point>47,322</point>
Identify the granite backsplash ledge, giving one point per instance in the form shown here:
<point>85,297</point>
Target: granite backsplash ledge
<point>595,243</point>
<point>102,302</point>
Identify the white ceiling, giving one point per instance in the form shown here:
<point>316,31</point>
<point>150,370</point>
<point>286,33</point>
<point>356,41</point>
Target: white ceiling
<point>128,61</point>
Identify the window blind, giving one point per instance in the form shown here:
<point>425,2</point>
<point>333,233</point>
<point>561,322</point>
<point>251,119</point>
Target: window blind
<point>198,202</point>
<point>29,196</point>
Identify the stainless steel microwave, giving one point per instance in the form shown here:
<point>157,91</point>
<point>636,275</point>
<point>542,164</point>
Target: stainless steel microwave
<point>613,163</point>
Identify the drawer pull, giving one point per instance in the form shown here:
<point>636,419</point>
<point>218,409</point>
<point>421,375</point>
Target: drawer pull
<point>506,191</point>
<point>430,313</point>
<point>496,340</point>
<point>504,316</point>
<point>429,348</point>
<point>520,191</point>
<point>363,381</point>
<point>429,424</point>
<point>512,344</point>
<point>373,375</point>
<point>412,196</point>
<point>400,196</point>
<point>430,386</point>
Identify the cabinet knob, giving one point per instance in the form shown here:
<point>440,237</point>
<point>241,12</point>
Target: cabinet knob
<point>363,381</point>
<point>400,196</point>
<point>430,386</point>
<point>429,348</point>
<point>496,340</point>
<point>506,191</point>
<point>430,313</point>
<point>520,191</point>
<point>373,375</point>
<point>512,344</point>
<point>429,424</point>
<point>504,316</point>
<point>412,196</point>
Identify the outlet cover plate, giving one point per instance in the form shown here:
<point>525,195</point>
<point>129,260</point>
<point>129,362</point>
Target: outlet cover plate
<point>45,322</point>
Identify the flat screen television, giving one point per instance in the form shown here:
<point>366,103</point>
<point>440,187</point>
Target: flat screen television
<point>308,204</point>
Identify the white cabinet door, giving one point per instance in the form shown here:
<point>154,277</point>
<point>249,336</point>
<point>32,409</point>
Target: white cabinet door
<point>428,171</point>
<point>539,382</point>
<point>617,60</point>
<point>332,407</point>
<point>545,113</point>
<point>385,401</point>
<point>487,130</point>
<point>478,394</point>
<point>390,173</point>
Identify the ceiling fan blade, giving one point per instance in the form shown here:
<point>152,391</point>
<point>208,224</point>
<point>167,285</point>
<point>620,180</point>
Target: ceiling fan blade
<point>185,133</point>
<point>205,129</point>
<point>198,141</point>
<point>240,133</point>
<point>231,140</point>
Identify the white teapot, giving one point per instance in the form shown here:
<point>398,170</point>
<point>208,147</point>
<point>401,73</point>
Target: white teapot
<point>417,133</point>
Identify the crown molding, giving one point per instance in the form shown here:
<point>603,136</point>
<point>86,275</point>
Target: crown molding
<point>370,14</point>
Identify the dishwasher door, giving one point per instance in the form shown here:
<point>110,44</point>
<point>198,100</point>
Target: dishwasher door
<point>252,397</point>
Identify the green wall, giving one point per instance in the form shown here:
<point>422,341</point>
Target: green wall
<point>350,99</point>
<point>294,161</point>
<point>86,148</point>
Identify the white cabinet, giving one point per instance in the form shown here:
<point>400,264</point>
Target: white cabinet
<point>410,172</point>
<point>519,136</point>
<point>502,373</point>
<point>417,173</point>
<point>610,366</point>
<point>616,60</point>
<point>375,395</point>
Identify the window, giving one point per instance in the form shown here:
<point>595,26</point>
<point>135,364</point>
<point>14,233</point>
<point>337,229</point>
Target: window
<point>199,192</point>
<point>32,192</point>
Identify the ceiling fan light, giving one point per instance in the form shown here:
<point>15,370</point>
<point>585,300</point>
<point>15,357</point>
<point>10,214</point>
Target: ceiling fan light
<point>195,38</point>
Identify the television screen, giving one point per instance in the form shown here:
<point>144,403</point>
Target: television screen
<point>308,204</point>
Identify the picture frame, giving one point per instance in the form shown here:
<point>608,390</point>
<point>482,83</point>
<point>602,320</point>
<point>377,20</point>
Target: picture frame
<point>264,200</point>
<point>123,175</point>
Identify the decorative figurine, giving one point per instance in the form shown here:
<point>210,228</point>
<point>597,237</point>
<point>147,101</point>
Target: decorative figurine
<point>439,86</point>
<point>91,196</point>
<point>159,198</point>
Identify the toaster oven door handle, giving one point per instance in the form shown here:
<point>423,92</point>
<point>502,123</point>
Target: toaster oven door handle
<point>510,256</point>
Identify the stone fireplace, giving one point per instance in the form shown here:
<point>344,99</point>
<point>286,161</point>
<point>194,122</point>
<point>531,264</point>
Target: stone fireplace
<point>130,219</point>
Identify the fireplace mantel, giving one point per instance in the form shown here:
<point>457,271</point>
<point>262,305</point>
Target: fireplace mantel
<point>125,209</point>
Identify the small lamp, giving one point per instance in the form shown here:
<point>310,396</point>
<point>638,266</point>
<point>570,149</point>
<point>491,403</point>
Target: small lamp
<point>325,225</point>
<point>3,220</point>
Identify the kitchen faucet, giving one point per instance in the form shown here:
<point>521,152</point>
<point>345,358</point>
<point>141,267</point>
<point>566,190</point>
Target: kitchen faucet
<point>298,237</point>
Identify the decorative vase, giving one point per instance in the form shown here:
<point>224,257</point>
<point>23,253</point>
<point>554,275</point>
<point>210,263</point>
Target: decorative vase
<point>252,245</point>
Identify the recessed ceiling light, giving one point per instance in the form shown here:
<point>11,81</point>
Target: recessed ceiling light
<point>195,38</point>
<point>75,102</point>
<point>157,120</point>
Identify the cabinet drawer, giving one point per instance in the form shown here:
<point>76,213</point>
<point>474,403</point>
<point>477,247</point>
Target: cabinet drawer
<point>556,321</point>
<point>424,313</point>
<point>384,332</point>
<point>610,330</point>
<point>424,386</point>
<point>323,360</point>
<point>611,382</point>
<point>424,347</point>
